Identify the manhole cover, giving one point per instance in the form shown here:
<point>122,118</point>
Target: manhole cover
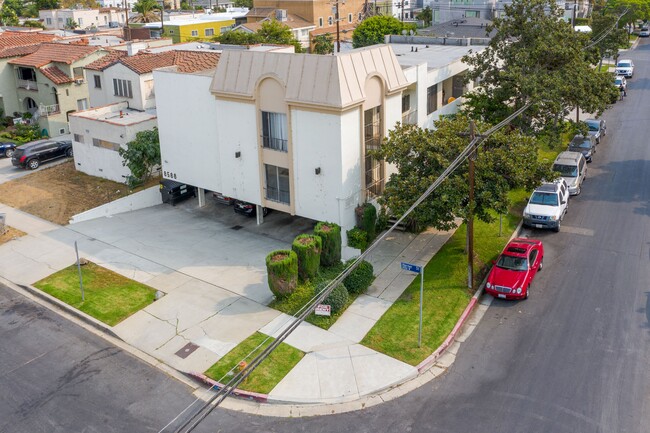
<point>187,350</point>
<point>237,227</point>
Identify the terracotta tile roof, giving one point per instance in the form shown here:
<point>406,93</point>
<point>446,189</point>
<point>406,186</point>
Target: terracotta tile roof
<point>293,22</point>
<point>345,31</point>
<point>60,53</point>
<point>109,59</point>
<point>56,75</point>
<point>17,51</point>
<point>18,39</point>
<point>187,61</point>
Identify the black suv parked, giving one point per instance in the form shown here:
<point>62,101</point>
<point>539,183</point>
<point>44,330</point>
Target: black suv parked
<point>31,155</point>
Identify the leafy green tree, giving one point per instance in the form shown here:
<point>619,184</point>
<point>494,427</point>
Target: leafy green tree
<point>274,32</point>
<point>33,23</point>
<point>506,160</point>
<point>71,24</point>
<point>142,155</point>
<point>323,44</point>
<point>536,58</point>
<point>47,4</point>
<point>605,23</point>
<point>239,37</point>
<point>185,6</point>
<point>371,31</point>
<point>148,10</point>
<point>636,10</point>
<point>426,15</point>
<point>243,4</point>
<point>8,16</point>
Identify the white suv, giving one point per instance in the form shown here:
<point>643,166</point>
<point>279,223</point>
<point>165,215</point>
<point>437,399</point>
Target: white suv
<point>625,68</point>
<point>547,206</point>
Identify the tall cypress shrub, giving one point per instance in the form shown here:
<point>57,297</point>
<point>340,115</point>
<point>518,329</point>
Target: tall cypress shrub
<point>369,221</point>
<point>330,233</point>
<point>282,270</point>
<point>308,249</point>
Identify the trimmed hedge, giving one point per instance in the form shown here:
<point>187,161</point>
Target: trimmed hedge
<point>337,299</point>
<point>282,269</point>
<point>357,238</point>
<point>308,249</point>
<point>360,278</point>
<point>330,233</point>
<point>369,221</point>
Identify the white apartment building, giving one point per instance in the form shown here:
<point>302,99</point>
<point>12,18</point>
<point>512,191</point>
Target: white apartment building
<point>292,132</point>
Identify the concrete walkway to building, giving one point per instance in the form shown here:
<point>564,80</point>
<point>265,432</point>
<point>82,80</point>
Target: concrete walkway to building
<point>213,279</point>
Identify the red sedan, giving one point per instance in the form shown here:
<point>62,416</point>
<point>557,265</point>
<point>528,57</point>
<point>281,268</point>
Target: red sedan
<point>513,272</point>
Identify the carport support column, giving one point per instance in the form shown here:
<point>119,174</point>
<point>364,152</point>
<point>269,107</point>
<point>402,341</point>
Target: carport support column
<point>201,197</point>
<point>258,211</point>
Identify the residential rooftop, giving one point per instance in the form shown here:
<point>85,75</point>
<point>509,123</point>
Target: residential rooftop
<point>117,114</point>
<point>144,63</point>
<point>435,56</point>
<point>53,52</point>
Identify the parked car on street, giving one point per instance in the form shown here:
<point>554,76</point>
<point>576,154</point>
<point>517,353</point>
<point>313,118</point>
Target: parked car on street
<point>572,166</point>
<point>7,149</point>
<point>547,206</point>
<point>618,80</point>
<point>597,128</point>
<point>625,67</point>
<point>515,269</point>
<point>586,144</point>
<point>32,155</point>
<point>248,209</point>
<point>645,32</point>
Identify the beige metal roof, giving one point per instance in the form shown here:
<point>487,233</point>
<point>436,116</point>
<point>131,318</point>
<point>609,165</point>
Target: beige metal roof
<point>328,81</point>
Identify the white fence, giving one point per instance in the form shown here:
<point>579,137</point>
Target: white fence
<point>139,200</point>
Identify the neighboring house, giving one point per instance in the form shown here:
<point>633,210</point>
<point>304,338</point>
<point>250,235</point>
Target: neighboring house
<point>50,83</point>
<point>182,30</point>
<point>294,132</point>
<point>461,28</point>
<point>13,45</point>
<point>122,95</point>
<point>83,18</point>
<point>116,3</point>
<point>450,10</point>
<point>320,13</point>
<point>300,28</point>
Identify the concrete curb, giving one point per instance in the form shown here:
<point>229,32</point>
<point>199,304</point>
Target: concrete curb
<point>249,395</point>
<point>100,326</point>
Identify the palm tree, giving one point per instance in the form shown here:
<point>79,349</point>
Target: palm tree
<point>147,10</point>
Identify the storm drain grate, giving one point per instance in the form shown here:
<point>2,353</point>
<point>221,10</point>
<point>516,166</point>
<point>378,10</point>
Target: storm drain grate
<point>187,350</point>
<point>237,227</point>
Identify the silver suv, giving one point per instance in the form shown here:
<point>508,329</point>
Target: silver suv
<point>572,166</point>
<point>547,206</point>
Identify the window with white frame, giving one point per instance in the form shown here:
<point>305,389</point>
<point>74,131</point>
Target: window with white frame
<point>82,104</point>
<point>277,184</point>
<point>122,88</point>
<point>274,131</point>
<point>209,32</point>
<point>349,18</point>
<point>330,20</point>
<point>48,21</point>
<point>432,98</point>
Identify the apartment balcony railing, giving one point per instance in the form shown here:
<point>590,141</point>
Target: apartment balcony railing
<point>27,84</point>
<point>48,110</point>
<point>410,118</point>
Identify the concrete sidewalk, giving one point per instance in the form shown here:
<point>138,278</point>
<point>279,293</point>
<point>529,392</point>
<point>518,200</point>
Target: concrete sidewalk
<point>216,295</point>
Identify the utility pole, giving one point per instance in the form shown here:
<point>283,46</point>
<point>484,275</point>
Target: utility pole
<point>470,212</point>
<point>335,9</point>
<point>127,29</point>
<point>573,15</point>
<point>402,7</point>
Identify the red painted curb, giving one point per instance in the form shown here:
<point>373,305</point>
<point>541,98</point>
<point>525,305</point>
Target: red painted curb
<point>249,395</point>
<point>450,338</point>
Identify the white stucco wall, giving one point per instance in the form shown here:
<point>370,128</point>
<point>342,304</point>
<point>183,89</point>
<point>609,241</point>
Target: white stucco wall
<point>187,121</point>
<point>121,72</point>
<point>351,167</point>
<point>317,143</point>
<point>238,132</point>
<point>98,96</point>
<point>98,161</point>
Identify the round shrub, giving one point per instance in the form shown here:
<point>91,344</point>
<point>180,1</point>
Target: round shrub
<point>308,249</point>
<point>282,269</point>
<point>337,299</point>
<point>360,278</point>
<point>330,233</point>
<point>357,238</point>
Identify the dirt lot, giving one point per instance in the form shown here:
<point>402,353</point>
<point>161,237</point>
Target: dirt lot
<point>59,192</point>
<point>10,234</point>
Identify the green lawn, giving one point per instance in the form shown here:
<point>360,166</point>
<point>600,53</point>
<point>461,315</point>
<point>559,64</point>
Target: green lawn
<point>109,296</point>
<point>267,375</point>
<point>305,292</point>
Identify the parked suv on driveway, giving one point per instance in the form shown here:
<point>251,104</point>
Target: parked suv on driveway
<point>547,206</point>
<point>32,155</point>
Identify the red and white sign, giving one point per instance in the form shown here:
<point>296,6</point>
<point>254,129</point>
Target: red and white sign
<point>323,310</point>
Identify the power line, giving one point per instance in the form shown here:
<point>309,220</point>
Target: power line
<point>190,424</point>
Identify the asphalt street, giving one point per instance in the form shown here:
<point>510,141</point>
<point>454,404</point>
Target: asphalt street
<point>57,377</point>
